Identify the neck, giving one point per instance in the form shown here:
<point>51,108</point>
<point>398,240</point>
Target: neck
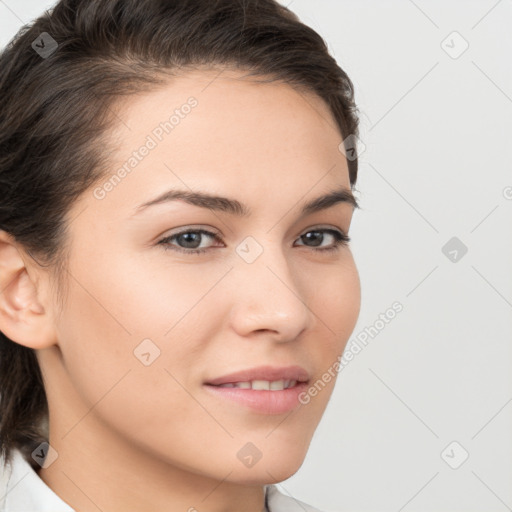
<point>102,475</point>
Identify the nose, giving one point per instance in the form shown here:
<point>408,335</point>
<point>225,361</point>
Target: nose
<point>268,297</point>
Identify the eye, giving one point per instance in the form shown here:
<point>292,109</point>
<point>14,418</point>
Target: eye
<point>317,236</point>
<point>189,241</point>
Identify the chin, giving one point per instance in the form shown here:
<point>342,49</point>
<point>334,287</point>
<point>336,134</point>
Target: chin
<point>279,467</point>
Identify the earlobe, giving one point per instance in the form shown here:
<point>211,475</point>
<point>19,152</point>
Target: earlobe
<point>23,318</point>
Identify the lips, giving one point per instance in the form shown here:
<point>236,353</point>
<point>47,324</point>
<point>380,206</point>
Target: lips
<point>263,390</point>
<point>263,373</point>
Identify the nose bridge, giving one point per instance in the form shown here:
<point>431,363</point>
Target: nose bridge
<point>268,295</point>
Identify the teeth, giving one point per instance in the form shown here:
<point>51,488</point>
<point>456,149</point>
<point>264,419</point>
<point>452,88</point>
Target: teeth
<point>275,385</point>
<point>263,384</point>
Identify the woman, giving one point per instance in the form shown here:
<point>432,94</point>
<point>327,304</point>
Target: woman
<point>176,282</point>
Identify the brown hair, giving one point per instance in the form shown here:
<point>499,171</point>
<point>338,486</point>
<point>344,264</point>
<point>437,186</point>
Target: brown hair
<point>59,79</point>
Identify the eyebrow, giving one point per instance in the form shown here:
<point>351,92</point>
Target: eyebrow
<point>234,207</point>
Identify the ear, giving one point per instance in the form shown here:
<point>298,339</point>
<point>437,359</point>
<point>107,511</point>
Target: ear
<point>23,318</point>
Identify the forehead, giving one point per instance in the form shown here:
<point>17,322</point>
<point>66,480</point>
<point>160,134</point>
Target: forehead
<point>218,130</point>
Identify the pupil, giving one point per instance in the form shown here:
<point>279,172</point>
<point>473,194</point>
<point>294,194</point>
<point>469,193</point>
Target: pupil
<point>316,238</point>
<point>189,237</point>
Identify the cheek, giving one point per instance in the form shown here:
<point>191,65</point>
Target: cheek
<point>125,315</point>
<point>348,300</point>
<point>122,303</point>
<point>159,297</point>
<point>336,301</point>
<point>109,383</point>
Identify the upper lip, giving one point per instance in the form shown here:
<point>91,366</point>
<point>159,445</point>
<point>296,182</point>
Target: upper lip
<point>270,373</point>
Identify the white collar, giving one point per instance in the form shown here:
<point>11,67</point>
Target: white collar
<point>22,489</point>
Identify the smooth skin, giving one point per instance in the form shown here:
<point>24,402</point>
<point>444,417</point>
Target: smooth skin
<point>132,437</point>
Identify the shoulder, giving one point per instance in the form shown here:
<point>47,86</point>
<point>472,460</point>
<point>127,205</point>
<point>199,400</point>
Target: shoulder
<point>279,502</point>
<point>21,488</point>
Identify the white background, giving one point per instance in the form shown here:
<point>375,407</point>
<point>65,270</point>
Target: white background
<point>436,165</point>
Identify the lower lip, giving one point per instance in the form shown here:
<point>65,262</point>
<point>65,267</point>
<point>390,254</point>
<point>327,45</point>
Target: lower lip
<point>262,401</point>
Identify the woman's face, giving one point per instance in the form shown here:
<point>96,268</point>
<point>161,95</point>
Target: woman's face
<point>147,324</point>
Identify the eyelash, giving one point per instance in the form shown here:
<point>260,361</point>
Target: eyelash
<point>341,239</point>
